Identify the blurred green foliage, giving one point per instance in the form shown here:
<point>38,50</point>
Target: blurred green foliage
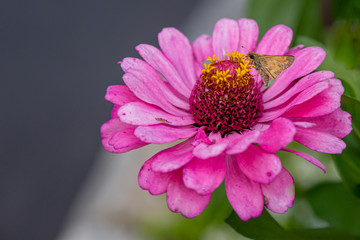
<point>347,10</point>
<point>302,16</point>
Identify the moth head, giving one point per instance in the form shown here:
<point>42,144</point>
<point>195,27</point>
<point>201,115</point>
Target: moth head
<point>251,55</point>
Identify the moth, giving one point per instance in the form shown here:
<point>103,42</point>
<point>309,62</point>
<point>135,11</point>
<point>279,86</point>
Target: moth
<point>270,65</point>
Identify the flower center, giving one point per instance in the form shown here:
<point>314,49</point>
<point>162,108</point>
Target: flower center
<point>226,98</point>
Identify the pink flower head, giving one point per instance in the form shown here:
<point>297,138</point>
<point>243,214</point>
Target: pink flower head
<point>209,95</point>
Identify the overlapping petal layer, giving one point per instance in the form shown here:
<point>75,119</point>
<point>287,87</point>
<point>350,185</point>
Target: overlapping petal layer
<point>301,105</point>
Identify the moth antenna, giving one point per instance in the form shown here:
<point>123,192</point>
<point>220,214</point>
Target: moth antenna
<point>246,50</point>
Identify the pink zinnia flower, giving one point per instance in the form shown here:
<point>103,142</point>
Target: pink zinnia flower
<point>233,126</point>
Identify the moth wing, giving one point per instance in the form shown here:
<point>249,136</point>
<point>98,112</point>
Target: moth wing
<point>287,60</point>
<point>274,65</point>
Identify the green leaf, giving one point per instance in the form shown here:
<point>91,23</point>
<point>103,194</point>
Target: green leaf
<point>266,228</point>
<point>263,227</point>
<point>352,106</point>
<point>336,205</point>
<point>348,163</point>
<point>325,234</point>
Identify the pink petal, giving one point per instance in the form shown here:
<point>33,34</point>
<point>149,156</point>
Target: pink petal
<point>155,182</point>
<point>303,124</point>
<point>336,86</point>
<point>306,61</point>
<point>276,41</point>
<point>118,137</point>
<point>319,141</point>
<point>248,34</point>
<point>279,194</point>
<point>184,200</point>
<point>125,140</point>
<point>302,97</point>
<point>140,113</point>
<point>294,50</point>
<point>309,158</point>
<point>198,68</point>
<point>337,123</point>
<point>215,137</point>
<point>204,175</point>
<point>204,151</point>
<point>159,134</point>
<point>260,127</point>
<point>178,50</point>
<point>225,37</point>
<point>240,142</point>
<point>322,104</point>
<point>161,63</point>
<point>147,85</point>
<point>173,158</point>
<point>202,47</point>
<point>299,86</point>
<point>258,165</point>
<point>114,111</point>
<point>280,133</point>
<point>244,195</point>
<point>201,137</point>
<point>120,95</point>
<point>177,94</point>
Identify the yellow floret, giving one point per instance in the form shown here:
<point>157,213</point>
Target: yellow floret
<point>224,78</point>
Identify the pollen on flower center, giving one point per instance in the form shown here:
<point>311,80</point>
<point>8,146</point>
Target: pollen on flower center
<point>226,98</point>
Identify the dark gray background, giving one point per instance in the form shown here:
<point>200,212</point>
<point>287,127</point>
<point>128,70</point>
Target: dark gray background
<point>57,58</point>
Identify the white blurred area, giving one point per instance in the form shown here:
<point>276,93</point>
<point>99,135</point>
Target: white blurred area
<point>112,205</point>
